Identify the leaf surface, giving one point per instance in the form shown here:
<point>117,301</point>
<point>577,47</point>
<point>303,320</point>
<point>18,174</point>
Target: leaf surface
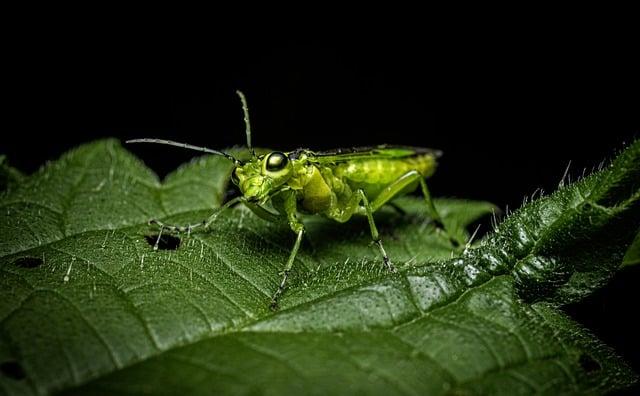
<point>88,307</point>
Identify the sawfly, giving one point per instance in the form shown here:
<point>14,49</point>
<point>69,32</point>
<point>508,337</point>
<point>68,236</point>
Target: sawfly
<point>337,184</point>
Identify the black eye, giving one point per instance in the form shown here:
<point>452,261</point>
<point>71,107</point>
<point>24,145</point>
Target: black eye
<point>276,161</point>
<point>234,177</point>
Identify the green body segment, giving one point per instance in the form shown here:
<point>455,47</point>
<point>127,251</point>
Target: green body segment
<point>325,188</point>
<point>373,175</point>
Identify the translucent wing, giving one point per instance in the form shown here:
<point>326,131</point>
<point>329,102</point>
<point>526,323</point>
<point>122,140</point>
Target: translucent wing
<point>361,153</point>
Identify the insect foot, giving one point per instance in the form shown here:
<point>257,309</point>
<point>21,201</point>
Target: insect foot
<point>385,258</point>
<point>276,295</point>
<point>390,267</point>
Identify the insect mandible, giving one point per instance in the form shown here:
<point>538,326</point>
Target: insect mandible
<point>336,184</point>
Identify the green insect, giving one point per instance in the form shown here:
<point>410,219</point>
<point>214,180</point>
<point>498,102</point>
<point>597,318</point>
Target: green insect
<point>336,184</point>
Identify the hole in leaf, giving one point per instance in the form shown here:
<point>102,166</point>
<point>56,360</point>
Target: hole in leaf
<point>28,262</point>
<point>12,369</point>
<point>588,363</point>
<point>166,242</point>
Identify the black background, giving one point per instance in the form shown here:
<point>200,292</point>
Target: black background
<point>508,112</point>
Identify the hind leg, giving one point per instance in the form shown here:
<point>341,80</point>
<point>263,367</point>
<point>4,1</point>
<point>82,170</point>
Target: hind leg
<point>392,190</point>
<point>397,187</point>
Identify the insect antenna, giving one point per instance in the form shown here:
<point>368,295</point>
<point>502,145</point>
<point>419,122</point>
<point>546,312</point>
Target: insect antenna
<point>247,123</point>
<point>187,146</point>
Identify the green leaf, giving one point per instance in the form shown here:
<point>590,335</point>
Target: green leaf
<point>9,176</point>
<point>88,307</point>
<point>632,257</point>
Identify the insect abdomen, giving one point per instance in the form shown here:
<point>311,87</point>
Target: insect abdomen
<point>374,174</point>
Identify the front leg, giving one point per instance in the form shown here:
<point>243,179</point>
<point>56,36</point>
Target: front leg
<point>290,209</point>
<point>205,224</point>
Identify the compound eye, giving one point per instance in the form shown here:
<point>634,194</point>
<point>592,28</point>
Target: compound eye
<point>276,161</point>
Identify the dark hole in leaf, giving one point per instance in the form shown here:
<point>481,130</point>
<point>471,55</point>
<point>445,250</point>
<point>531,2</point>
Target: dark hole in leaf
<point>12,369</point>
<point>166,242</point>
<point>28,262</point>
<point>588,364</point>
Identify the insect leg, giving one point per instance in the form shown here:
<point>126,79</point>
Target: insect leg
<point>399,186</point>
<point>397,208</point>
<point>288,266</point>
<point>374,230</point>
<point>265,214</point>
<point>205,223</point>
<point>289,206</point>
<point>429,201</point>
<point>353,206</point>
